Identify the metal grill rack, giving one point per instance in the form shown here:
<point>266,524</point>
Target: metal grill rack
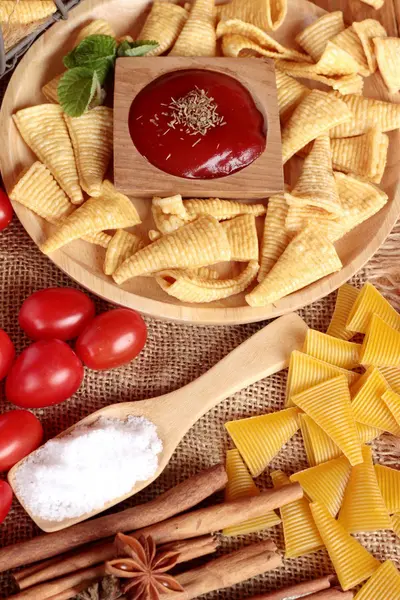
<point>9,59</point>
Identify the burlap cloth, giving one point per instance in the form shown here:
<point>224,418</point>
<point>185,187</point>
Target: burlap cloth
<point>174,355</point>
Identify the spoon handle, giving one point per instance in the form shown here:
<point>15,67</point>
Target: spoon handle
<point>264,353</point>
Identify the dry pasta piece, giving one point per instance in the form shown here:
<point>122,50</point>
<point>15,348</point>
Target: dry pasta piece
<point>387,52</point>
<point>392,376</point>
<point>369,302</point>
<point>163,24</point>
<point>205,272</point>
<point>275,237</point>
<point>299,530</point>
<point>392,401</point>
<point>172,205</point>
<point>368,406</point>
<point>188,287</point>
<point>360,200</point>
<point>23,13</point>
<point>315,37</point>
<point>50,90</point>
<point>92,141</point>
<point>221,209</point>
<point>307,258</point>
<point>350,42</point>
<point>381,345</point>
<point>169,213</point>
<point>321,112</point>
<point>45,132</point>
<point>368,433</point>
<point>384,583</point>
<point>96,27</point>
<point>377,4</point>
<point>242,236</point>
<point>306,371</point>
<point>344,84</point>
<point>194,245</point>
<point>38,190</point>
<point>396,524</point>
<point>198,37</point>
<point>363,507</point>
<point>366,113</point>
<point>333,62</point>
<point>326,483</point>
<point>328,403</point>
<point>389,484</point>
<point>259,439</point>
<point>353,563</point>
<point>265,14</point>
<point>331,350</point>
<point>316,185</point>
<point>345,300</point>
<point>241,485</point>
<point>111,210</point>
<point>100,238</point>
<point>249,38</point>
<point>368,30</point>
<point>122,245</point>
<point>290,94</point>
<point>364,155</point>
<point>319,446</point>
<point>153,235</point>
<point>300,217</point>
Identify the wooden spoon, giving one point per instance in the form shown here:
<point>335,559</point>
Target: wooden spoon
<point>265,353</point>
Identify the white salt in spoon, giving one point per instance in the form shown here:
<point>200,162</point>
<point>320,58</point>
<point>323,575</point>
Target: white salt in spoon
<point>263,354</point>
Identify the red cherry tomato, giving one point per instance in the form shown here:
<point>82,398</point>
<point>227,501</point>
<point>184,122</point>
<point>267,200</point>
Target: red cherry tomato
<point>7,354</point>
<point>112,339</point>
<point>6,211</point>
<point>20,434</point>
<point>60,313</point>
<point>6,497</point>
<point>45,373</point>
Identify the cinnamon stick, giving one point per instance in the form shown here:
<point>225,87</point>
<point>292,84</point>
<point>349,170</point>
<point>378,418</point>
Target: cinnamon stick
<point>70,563</point>
<point>299,590</point>
<point>191,549</point>
<point>99,553</point>
<point>178,499</point>
<point>228,570</point>
<point>215,518</point>
<point>70,592</point>
<point>32,569</point>
<point>69,583</point>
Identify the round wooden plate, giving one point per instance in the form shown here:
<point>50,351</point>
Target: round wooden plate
<point>83,262</point>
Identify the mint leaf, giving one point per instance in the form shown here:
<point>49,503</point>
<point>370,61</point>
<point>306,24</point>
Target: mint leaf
<point>77,89</point>
<point>98,98</point>
<point>93,49</point>
<point>139,48</point>
<point>69,60</point>
<point>96,52</point>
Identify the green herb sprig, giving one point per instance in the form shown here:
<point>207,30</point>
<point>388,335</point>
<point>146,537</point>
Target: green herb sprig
<point>88,66</point>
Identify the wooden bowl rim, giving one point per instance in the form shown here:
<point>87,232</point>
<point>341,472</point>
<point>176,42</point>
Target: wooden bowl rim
<point>194,314</point>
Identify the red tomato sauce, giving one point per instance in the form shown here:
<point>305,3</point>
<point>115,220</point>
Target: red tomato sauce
<point>197,124</point>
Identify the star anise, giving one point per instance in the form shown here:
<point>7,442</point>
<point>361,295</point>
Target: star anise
<point>139,561</point>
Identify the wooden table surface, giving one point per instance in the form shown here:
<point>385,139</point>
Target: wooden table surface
<point>355,10</point>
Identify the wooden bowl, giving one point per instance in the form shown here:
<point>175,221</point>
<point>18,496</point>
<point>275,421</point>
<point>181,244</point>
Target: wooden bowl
<point>135,176</point>
<point>83,262</point>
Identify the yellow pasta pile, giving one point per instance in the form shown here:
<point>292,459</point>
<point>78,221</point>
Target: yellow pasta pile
<point>338,411</point>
